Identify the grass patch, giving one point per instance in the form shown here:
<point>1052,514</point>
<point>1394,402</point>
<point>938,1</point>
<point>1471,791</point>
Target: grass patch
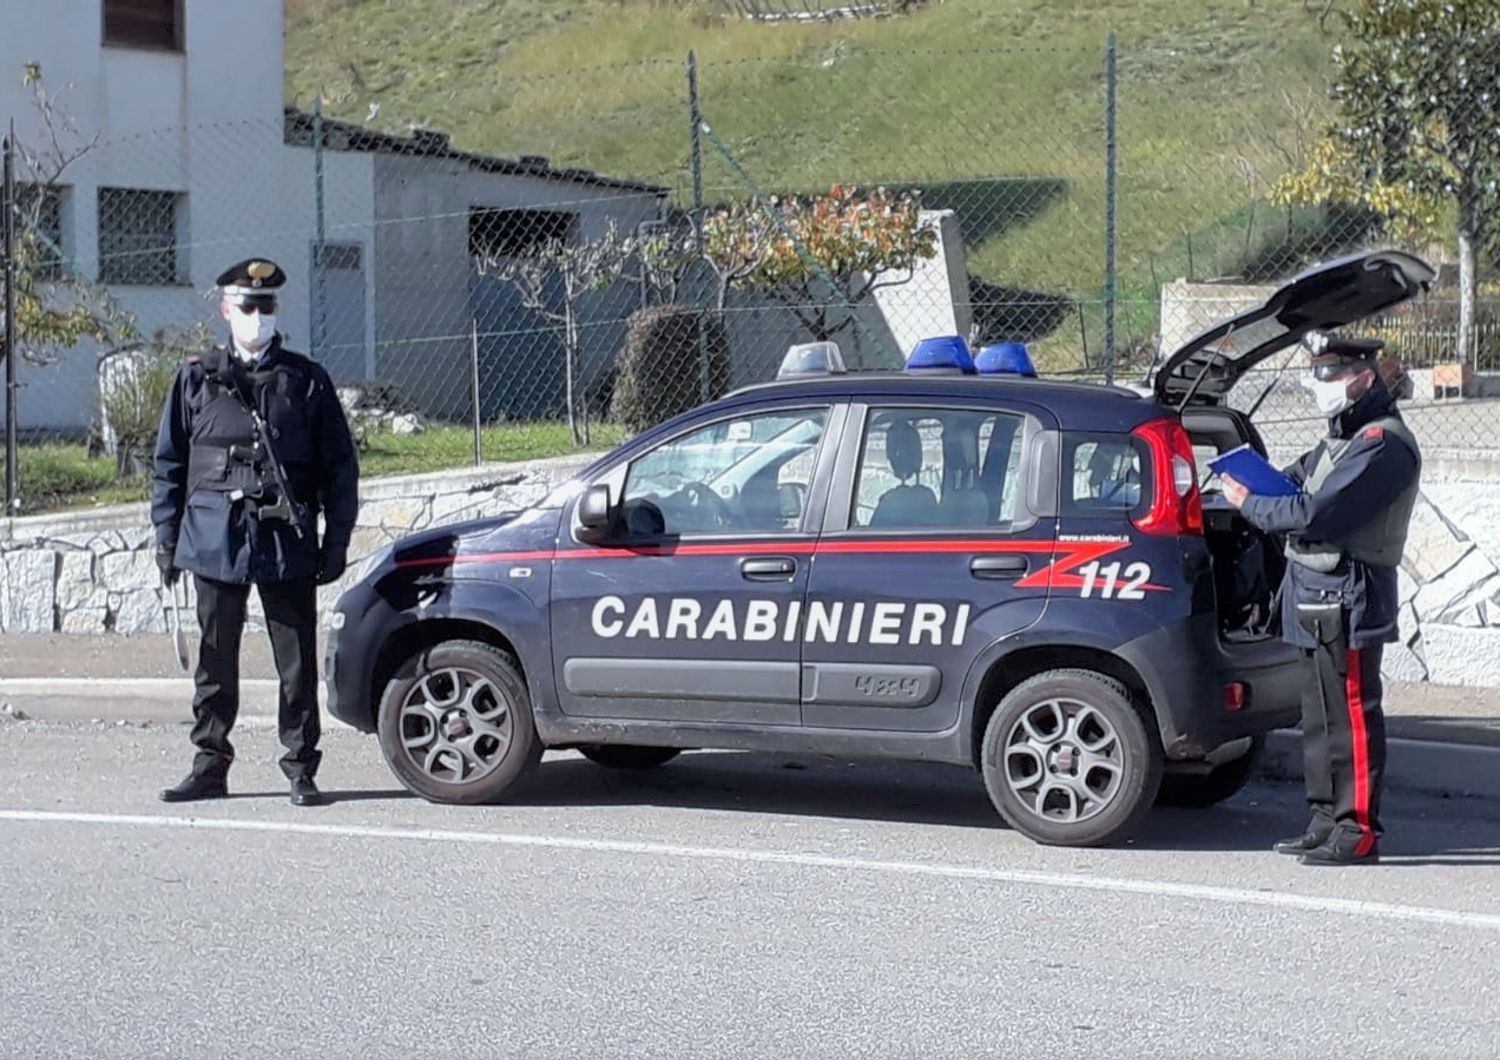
<point>997,104</point>
<point>62,477</point>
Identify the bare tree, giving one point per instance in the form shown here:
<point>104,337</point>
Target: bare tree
<point>56,306</point>
<point>578,269</point>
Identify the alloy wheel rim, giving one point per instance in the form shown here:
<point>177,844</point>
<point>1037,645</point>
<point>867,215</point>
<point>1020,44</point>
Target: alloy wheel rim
<point>1064,760</point>
<point>455,725</point>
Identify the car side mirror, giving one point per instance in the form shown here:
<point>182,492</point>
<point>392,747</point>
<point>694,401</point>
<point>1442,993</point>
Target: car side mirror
<point>594,511</point>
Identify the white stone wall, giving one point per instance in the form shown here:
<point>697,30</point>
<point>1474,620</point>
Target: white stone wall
<point>1450,587</point>
<point>96,572</point>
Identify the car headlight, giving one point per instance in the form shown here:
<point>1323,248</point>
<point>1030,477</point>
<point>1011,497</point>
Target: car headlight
<point>373,563</point>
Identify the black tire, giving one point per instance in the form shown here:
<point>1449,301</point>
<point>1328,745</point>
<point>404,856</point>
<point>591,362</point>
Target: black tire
<point>628,756</point>
<point>503,706</point>
<point>1197,791</point>
<point>1101,706</point>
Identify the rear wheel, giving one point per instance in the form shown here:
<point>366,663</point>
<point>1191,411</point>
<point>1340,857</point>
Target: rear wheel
<point>1068,760</point>
<point>628,756</point>
<point>1197,791</point>
<point>456,723</point>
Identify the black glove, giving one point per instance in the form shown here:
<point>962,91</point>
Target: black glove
<point>164,557</point>
<point>332,562</point>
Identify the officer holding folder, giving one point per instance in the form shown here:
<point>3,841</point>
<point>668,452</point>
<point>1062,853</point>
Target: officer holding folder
<point>1345,525</point>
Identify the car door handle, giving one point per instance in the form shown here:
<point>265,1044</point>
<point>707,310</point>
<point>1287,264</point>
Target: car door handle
<point>998,566</point>
<point>768,569</point>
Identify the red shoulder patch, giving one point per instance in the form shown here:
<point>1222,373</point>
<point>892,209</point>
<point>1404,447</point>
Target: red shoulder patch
<point>1374,432</point>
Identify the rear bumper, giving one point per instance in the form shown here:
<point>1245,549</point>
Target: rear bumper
<point>1185,668</point>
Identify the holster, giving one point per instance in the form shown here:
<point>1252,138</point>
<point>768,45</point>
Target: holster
<point>1328,625</point>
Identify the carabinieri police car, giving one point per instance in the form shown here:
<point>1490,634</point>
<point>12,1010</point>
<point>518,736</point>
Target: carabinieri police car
<point>957,563</point>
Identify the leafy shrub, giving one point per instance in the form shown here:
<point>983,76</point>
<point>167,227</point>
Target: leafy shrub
<point>132,406</point>
<point>659,368</point>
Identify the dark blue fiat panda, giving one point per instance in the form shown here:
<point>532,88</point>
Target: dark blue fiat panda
<point>943,564</point>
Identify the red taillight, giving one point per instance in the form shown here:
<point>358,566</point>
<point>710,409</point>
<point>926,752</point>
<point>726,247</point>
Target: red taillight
<point>1176,506</point>
<point>1235,695</point>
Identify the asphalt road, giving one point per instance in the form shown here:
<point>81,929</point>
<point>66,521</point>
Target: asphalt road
<point>726,905</point>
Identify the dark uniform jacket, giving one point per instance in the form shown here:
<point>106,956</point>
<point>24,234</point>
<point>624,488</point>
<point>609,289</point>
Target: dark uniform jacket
<point>201,470</point>
<point>1373,478</point>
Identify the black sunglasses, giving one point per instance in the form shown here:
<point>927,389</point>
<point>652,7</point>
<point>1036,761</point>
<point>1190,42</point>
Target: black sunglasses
<point>255,303</point>
<point>1331,370</point>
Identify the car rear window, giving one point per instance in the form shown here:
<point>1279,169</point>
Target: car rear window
<point>1101,473</point>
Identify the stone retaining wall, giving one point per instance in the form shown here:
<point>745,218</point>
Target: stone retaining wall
<point>94,572</point>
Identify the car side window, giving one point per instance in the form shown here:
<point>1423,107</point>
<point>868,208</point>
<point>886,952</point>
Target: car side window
<point>749,474</point>
<point>926,468</point>
<point>1101,474</point>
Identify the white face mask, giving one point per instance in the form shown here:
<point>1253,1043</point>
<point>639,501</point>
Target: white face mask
<point>1332,397</point>
<point>252,331</point>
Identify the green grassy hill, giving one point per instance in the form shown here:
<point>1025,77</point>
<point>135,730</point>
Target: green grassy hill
<point>999,103</point>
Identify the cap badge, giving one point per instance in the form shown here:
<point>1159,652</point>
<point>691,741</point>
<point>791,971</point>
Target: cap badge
<point>260,271</point>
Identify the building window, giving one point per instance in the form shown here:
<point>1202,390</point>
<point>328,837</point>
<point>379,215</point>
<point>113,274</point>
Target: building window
<point>497,233</point>
<point>138,237</point>
<point>39,228</point>
<point>143,23</point>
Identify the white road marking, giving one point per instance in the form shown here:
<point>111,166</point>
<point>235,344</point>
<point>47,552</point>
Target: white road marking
<point>1023,877</point>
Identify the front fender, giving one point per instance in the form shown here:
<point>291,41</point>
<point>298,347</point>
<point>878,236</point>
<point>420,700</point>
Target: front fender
<point>512,613</point>
<point>377,624</point>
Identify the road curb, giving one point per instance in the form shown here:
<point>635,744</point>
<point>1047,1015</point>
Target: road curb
<point>158,700</point>
<point>1426,767</point>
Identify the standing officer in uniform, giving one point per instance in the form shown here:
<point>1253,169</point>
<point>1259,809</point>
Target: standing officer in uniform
<point>253,444</point>
<point>1345,533</point>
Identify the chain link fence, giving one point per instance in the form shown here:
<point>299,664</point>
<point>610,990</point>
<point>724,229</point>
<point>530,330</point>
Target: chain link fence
<point>477,308</point>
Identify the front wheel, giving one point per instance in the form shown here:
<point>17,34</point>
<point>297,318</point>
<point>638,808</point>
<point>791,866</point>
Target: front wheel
<point>1068,760</point>
<point>456,724</point>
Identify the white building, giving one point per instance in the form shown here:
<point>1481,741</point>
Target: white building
<point>198,163</point>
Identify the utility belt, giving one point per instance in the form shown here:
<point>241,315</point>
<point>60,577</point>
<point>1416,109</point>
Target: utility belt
<point>1325,559</point>
<point>224,469</point>
<point>242,474</point>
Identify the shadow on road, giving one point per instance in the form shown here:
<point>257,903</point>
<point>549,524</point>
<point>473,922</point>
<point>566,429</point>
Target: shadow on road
<point>803,786</point>
<point>950,796</point>
<point>366,796</point>
<point>330,797</point>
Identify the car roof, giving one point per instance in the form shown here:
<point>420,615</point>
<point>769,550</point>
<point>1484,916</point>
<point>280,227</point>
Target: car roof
<point>1076,404</point>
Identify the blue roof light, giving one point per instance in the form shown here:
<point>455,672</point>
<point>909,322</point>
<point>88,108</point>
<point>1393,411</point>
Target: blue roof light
<point>811,358</point>
<point>1005,358</point>
<point>943,353</point>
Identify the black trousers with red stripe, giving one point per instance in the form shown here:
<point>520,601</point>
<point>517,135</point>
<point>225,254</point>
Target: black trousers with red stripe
<point>1343,741</point>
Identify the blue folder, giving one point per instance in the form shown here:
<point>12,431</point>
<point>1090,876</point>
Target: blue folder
<point>1254,472</point>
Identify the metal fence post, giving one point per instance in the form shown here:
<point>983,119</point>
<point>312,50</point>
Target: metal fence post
<point>320,255</point>
<point>474,389</point>
<point>12,455</point>
<point>695,115</point>
<point>1111,181</point>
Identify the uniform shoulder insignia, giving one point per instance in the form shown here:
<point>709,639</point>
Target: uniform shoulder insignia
<point>1374,433</point>
<point>194,358</point>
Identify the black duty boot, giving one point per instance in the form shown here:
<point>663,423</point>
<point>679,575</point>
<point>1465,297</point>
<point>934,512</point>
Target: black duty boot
<point>1308,840</point>
<point>1343,848</point>
<point>194,787</point>
<point>306,793</point>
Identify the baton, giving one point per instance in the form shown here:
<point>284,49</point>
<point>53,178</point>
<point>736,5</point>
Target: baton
<point>174,624</point>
